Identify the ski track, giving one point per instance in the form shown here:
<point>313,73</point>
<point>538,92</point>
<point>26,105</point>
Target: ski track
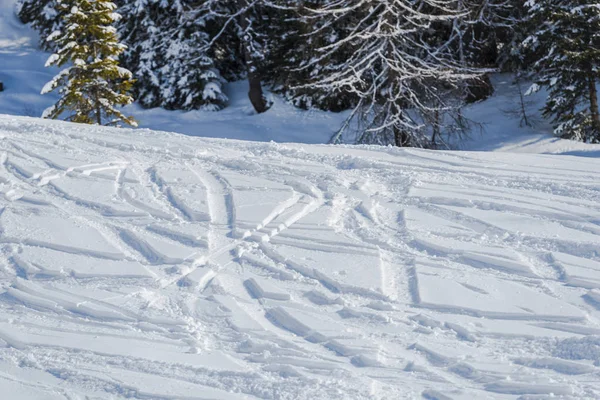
<point>150,265</point>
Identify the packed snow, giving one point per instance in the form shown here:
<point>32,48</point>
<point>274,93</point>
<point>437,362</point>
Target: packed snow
<point>144,264</point>
<point>139,264</point>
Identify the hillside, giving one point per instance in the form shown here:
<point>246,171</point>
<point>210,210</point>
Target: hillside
<point>139,264</point>
<point>152,265</point>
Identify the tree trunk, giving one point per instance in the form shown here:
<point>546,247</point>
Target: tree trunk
<point>524,117</point>
<point>255,93</point>
<point>98,109</point>
<point>96,95</point>
<point>594,104</point>
<point>479,89</point>
<point>257,98</point>
<point>98,115</point>
<point>437,123</point>
<point>401,137</point>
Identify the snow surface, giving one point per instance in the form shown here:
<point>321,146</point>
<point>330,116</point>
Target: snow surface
<point>139,264</point>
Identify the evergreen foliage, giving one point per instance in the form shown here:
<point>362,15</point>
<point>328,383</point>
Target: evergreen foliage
<point>566,48</point>
<point>406,68</point>
<point>46,16</point>
<point>93,83</point>
<point>299,60</point>
<point>243,42</point>
<point>404,83</point>
<point>168,54</point>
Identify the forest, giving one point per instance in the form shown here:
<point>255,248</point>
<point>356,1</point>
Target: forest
<point>404,68</point>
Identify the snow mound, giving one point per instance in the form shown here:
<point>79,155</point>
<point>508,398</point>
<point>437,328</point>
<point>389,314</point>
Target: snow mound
<point>140,264</point>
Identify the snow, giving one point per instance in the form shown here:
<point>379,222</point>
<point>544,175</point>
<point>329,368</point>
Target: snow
<point>144,264</point>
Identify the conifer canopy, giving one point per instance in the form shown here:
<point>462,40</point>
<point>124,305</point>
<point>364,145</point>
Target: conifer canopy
<point>93,84</point>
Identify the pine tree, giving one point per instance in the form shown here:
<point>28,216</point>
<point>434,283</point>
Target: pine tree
<point>93,83</point>
<point>565,43</point>
<point>297,60</point>
<point>169,55</point>
<point>45,16</point>
<point>404,83</point>
<point>473,41</point>
<point>166,49</point>
<point>509,33</point>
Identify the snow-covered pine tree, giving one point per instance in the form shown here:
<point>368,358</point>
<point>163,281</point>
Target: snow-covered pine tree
<point>478,37</point>
<point>168,53</point>
<point>45,16</point>
<point>92,84</point>
<point>509,34</point>
<point>166,49</point>
<point>484,27</point>
<point>472,39</point>
<point>565,40</point>
<point>403,83</point>
<point>297,60</point>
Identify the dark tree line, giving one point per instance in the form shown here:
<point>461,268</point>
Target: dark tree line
<point>405,68</point>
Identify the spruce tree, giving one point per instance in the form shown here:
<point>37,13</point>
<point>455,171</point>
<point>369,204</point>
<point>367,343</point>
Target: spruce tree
<point>472,39</point>
<point>565,44</point>
<point>297,60</point>
<point>45,16</point>
<point>403,83</point>
<point>168,53</point>
<point>166,49</point>
<point>93,83</point>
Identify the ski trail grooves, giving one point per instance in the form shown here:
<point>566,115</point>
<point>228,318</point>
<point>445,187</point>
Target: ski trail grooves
<point>255,270</point>
<point>220,200</point>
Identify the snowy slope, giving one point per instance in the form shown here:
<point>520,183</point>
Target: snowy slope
<point>503,131</point>
<point>138,264</point>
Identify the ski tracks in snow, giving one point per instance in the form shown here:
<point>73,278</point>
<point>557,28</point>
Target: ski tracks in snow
<point>148,265</point>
